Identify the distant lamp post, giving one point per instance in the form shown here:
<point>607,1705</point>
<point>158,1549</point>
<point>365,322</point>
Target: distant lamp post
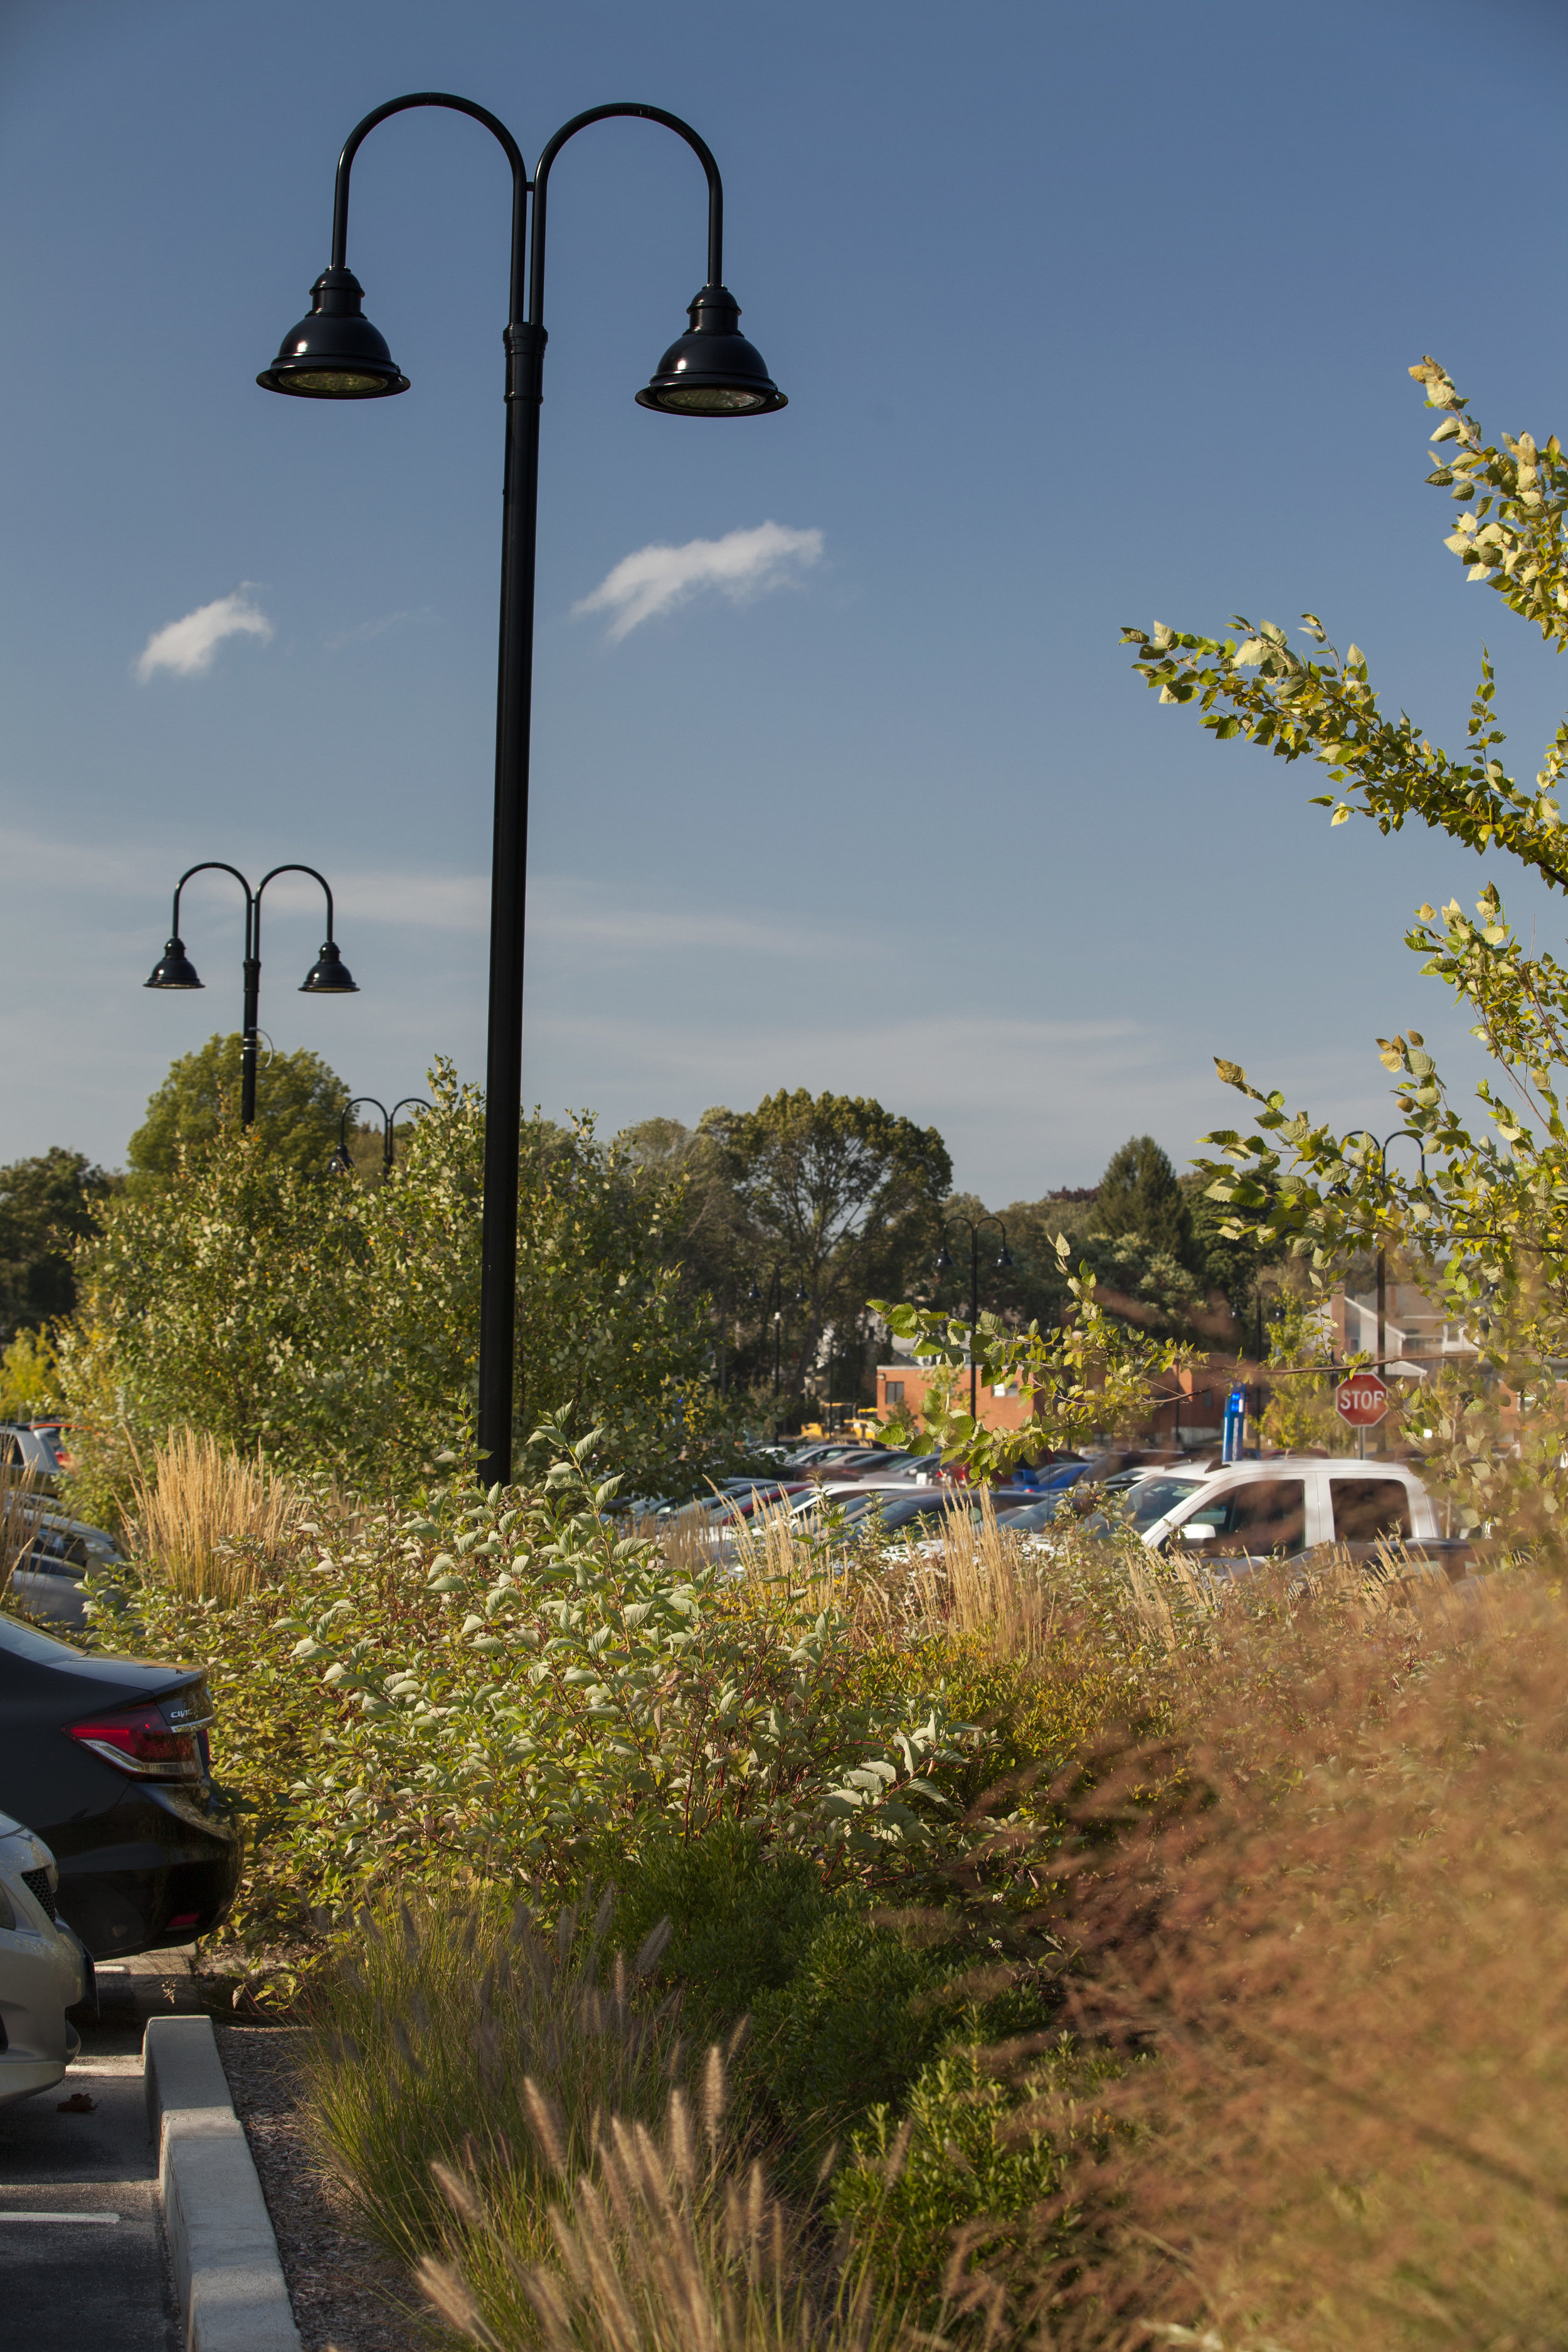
<point>756,1297</point>
<point>328,976</point>
<point>945,1264</point>
<point>340,1164</point>
<point>1400,1135</point>
<point>711,371</point>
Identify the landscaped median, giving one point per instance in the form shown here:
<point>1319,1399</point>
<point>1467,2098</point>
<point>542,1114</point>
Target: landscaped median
<point>871,1945</point>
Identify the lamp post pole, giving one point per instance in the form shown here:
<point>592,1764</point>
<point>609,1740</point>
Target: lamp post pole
<point>975,1226</point>
<point>339,1164</point>
<point>711,371</point>
<point>328,976</point>
<point>1400,1133</point>
<point>774,1291</point>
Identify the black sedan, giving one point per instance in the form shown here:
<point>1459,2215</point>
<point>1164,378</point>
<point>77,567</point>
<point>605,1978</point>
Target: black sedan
<point>107,1759</point>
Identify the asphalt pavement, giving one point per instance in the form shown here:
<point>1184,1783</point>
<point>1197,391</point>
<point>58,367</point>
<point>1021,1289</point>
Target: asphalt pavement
<point>82,2261</point>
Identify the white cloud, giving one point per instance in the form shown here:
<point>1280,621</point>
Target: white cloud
<point>187,647</point>
<point>741,564</point>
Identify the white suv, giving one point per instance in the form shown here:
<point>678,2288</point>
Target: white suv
<point>1252,1511</point>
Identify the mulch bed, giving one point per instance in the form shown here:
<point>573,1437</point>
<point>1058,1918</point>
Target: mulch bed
<point>347,2295</point>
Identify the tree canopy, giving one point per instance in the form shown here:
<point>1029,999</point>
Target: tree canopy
<point>335,1324</point>
<point>801,1207</point>
<point>47,1204</point>
<point>843,1198</point>
<point>300,1103</point>
<point>1139,1194</point>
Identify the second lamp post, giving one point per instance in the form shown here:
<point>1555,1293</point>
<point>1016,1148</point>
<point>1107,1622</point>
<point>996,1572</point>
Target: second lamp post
<point>711,371</point>
<point>328,976</point>
<point>341,1163</point>
<point>944,1265</point>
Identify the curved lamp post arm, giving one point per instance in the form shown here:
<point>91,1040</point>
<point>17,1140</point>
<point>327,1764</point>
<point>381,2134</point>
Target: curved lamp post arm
<point>315,878</point>
<point>699,147</point>
<point>217,865</point>
<point>340,1161</point>
<point>519,180</point>
<point>349,1109</point>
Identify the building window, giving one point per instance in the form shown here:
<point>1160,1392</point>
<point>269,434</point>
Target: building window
<point>893,1391</point>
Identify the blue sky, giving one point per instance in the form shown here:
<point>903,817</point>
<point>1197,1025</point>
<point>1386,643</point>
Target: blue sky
<point>1086,315</point>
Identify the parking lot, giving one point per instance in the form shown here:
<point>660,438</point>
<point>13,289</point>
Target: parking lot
<point>81,2244</point>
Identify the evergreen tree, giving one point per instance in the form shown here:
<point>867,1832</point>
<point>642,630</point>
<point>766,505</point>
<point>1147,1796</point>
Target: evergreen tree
<point>1139,1194</point>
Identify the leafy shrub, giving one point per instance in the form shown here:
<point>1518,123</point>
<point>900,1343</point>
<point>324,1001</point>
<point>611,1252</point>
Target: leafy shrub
<point>977,2172</point>
<point>739,1912</point>
<point>853,2024</point>
<point>503,1684</point>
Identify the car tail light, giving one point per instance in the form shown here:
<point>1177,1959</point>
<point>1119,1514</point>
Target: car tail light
<point>138,1740</point>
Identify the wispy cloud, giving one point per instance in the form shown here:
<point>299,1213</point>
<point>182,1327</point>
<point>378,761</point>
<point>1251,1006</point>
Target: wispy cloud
<point>187,647</point>
<point>742,565</point>
<point>572,914</point>
<point>365,630</point>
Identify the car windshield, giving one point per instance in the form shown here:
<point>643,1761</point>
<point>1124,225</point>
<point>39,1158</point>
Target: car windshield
<point>1033,1515</point>
<point>1152,1497</point>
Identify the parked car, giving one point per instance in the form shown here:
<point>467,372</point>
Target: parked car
<point>44,1969</point>
<point>874,1462</point>
<point>47,1578</point>
<point>1235,1516</point>
<point>108,1760</point>
<point>916,1512</point>
<point>1028,1519</point>
<point>41,1446</point>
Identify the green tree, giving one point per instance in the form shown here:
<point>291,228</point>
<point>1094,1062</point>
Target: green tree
<point>47,1204</point>
<point>844,1197</point>
<point>335,1324</point>
<point>300,1103</point>
<point>1139,1194</point>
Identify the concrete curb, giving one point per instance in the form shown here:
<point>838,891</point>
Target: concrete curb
<point>226,2270</point>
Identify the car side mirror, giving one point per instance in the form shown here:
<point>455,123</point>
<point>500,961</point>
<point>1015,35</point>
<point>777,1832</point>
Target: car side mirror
<point>1202,1534</point>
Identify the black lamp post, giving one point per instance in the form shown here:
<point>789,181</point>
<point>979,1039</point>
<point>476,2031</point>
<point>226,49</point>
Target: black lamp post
<point>328,976</point>
<point>711,371</point>
<point>944,1265</point>
<point>774,1292</point>
<point>1399,1135</point>
<point>340,1164</point>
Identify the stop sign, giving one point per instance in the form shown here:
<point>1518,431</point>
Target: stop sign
<point>1362,1399</point>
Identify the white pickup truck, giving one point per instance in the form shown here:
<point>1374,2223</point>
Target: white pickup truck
<point>1252,1511</point>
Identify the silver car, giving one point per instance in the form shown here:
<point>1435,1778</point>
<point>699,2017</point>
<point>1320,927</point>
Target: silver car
<point>38,1447</point>
<point>47,1578</point>
<point>44,1970</point>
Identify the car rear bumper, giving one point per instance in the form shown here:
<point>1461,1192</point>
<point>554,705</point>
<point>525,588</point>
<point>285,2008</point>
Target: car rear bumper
<point>169,1878</point>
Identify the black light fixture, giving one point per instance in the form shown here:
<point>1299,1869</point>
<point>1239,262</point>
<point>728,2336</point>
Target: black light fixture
<point>1006,1257</point>
<point>328,976</point>
<point>945,1258</point>
<point>712,369</point>
<point>335,353</point>
<point>173,969</point>
<point>341,1163</point>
